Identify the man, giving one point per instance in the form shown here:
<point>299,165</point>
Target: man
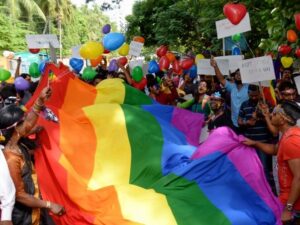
<point>7,192</point>
<point>285,117</point>
<point>238,92</point>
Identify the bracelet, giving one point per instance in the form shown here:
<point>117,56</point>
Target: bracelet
<point>35,111</point>
<point>48,204</point>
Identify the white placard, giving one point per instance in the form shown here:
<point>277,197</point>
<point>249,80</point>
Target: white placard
<point>234,61</point>
<point>135,48</point>
<point>42,41</point>
<point>226,29</point>
<point>297,82</point>
<point>204,67</point>
<point>135,62</point>
<point>257,69</point>
<point>75,52</point>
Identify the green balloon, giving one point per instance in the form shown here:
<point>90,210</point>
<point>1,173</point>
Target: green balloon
<point>137,74</point>
<point>34,70</point>
<point>236,37</point>
<point>4,74</point>
<point>158,80</point>
<point>88,73</point>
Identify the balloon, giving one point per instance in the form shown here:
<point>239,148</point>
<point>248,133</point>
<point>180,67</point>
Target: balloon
<point>286,61</point>
<point>236,51</point>
<point>21,84</point>
<point>234,12</point>
<point>186,63</point>
<point>113,65</point>
<point>106,29</point>
<point>123,61</point>
<point>42,66</point>
<point>153,67</point>
<point>106,51</point>
<point>193,72</point>
<point>236,37</point>
<point>88,73</point>
<point>137,74</point>
<point>297,52</point>
<point>123,51</point>
<point>161,51</point>
<point>4,74</point>
<point>199,56</point>
<point>34,70</point>
<point>164,63</point>
<point>96,62</point>
<point>297,20</point>
<point>91,50</point>
<point>284,49</point>
<point>170,56</point>
<point>34,50</point>
<point>176,67</point>
<point>291,36</point>
<point>113,41</point>
<point>139,39</point>
<point>76,64</point>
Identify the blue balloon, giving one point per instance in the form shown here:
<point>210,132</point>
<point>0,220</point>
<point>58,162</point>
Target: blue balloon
<point>76,64</point>
<point>193,72</point>
<point>153,67</point>
<point>113,41</point>
<point>236,51</point>
<point>42,66</point>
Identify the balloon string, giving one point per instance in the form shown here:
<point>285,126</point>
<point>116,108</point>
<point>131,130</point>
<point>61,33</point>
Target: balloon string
<point>248,46</point>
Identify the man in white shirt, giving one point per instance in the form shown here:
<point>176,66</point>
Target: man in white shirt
<point>7,192</point>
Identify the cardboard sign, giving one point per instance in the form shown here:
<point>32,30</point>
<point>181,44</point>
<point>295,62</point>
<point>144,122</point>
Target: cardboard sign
<point>225,28</point>
<point>135,48</point>
<point>204,67</point>
<point>297,82</point>
<point>257,69</point>
<point>42,41</point>
<point>234,61</point>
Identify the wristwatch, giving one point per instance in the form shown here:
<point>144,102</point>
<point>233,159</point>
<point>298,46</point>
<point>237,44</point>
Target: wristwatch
<point>289,207</point>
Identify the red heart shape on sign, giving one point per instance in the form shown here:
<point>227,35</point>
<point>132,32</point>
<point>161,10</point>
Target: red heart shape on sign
<point>234,12</point>
<point>297,20</point>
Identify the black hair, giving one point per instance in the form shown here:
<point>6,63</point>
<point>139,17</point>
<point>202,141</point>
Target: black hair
<point>253,88</point>
<point>292,109</point>
<point>285,85</point>
<point>151,80</point>
<point>8,91</point>
<point>24,75</point>
<point>10,115</point>
<point>33,86</point>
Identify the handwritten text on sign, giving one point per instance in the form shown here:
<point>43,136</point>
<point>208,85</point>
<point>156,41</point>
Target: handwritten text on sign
<point>226,29</point>
<point>135,48</point>
<point>257,69</point>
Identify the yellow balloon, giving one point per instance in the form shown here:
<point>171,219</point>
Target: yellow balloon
<point>286,61</point>
<point>123,51</point>
<point>91,50</point>
<point>199,56</point>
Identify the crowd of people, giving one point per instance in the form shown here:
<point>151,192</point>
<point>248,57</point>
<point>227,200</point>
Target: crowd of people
<point>223,101</point>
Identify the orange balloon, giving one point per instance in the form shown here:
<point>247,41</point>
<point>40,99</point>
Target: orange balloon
<point>139,39</point>
<point>95,62</point>
<point>291,36</point>
<point>170,56</point>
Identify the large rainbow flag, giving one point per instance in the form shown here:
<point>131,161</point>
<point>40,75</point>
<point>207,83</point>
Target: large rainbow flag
<point>116,157</point>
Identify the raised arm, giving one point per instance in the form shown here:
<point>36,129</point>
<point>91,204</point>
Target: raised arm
<point>219,75</point>
<point>17,72</point>
<point>127,74</point>
<point>270,149</point>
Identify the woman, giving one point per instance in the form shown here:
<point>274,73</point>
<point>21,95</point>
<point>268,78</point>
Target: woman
<point>15,125</point>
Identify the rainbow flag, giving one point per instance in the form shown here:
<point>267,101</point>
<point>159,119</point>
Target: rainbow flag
<point>116,157</point>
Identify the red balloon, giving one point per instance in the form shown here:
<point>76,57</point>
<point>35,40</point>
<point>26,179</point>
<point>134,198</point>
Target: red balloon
<point>164,63</point>
<point>297,52</point>
<point>186,63</point>
<point>34,50</point>
<point>123,61</point>
<point>284,49</point>
<point>234,12</point>
<point>161,51</point>
<point>297,20</point>
<point>291,36</point>
<point>176,67</point>
<point>106,51</point>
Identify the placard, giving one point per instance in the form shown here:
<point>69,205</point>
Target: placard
<point>225,28</point>
<point>135,48</point>
<point>42,41</point>
<point>234,61</point>
<point>204,67</point>
<point>297,82</point>
<point>75,52</point>
<point>257,69</point>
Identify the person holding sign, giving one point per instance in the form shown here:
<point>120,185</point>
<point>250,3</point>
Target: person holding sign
<point>238,92</point>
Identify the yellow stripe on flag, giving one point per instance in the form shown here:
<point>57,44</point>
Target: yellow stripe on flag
<point>110,91</point>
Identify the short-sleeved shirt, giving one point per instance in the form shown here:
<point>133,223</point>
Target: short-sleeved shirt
<point>288,149</point>
<point>237,98</point>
